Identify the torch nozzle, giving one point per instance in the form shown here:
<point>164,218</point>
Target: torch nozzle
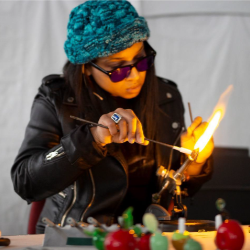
<point>194,154</point>
<point>192,157</point>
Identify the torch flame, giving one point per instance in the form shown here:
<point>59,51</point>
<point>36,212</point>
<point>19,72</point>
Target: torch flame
<point>204,139</point>
<point>218,114</point>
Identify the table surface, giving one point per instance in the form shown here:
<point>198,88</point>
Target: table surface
<point>36,241</point>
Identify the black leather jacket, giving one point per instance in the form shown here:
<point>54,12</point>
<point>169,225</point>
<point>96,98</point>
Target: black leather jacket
<point>60,161</point>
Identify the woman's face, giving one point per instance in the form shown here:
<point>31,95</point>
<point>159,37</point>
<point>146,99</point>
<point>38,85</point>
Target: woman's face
<point>131,86</point>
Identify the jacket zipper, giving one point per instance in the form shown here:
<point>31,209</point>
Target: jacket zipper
<point>124,193</point>
<point>62,194</point>
<point>93,195</point>
<point>73,202</point>
<point>58,152</point>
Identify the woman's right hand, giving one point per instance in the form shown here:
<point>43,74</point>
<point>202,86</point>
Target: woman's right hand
<point>129,129</point>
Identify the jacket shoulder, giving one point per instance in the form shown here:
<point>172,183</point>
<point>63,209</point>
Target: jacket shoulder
<point>53,82</point>
<point>167,82</point>
<point>168,90</point>
<point>54,87</point>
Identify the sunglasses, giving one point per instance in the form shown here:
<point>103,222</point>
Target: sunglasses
<point>120,73</point>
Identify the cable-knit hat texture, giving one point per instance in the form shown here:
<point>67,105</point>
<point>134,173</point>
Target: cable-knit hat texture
<point>99,28</point>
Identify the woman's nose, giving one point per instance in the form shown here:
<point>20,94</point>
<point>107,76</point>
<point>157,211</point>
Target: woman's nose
<point>134,74</point>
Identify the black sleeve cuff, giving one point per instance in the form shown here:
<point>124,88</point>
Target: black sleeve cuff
<point>81,149</point>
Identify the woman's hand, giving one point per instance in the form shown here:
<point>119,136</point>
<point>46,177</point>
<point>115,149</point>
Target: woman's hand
<point>188,140</point>
<point>129,128</point>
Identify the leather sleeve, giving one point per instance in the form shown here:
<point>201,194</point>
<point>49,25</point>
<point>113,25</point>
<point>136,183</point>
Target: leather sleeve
<point>34,177</point>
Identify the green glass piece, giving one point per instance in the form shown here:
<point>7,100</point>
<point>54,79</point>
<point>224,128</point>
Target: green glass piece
<point>89,233</point>
<point>179,236</point>
<point>192,245</point>
<point>128,219</point>
<point>158,242</point>
<point>220,204</point>
<point>98,238</point>
<point>137,231</point>
<point>150,222</point>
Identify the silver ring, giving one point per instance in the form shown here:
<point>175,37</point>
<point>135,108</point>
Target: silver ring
<point>116,117</point>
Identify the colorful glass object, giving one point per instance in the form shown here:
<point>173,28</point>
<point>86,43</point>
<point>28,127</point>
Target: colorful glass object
<point>128,219</point>
<point>158,241</point>
<point>150,222</point>
<point>180,236</point>
<point>137,230</point>
<point>120,240</point>
<point>192,245</point>
<point>220,204</point>
<point>98,238</point>
<point>180,239</point>
<point>230,236</point>
<point>143,243</point>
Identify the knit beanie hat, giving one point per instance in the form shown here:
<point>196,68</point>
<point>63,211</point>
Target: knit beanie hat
<point>99,28</point>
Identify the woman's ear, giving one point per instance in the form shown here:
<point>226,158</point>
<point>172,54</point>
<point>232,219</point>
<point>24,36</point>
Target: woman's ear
<point>85,70</point>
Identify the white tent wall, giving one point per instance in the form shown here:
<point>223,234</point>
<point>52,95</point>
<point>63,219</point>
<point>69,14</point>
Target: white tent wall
<point>202,46</point>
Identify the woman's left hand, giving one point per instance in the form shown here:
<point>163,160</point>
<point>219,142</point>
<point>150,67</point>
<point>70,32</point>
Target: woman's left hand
<point>194,132</point>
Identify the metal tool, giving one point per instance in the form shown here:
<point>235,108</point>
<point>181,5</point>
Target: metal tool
<point>48,222</point>
<point>180,149</point>
<point>172,184</point>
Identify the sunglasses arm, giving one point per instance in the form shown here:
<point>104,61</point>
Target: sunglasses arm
<point>102,70</point>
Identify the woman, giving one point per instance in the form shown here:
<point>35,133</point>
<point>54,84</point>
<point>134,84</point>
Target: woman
<point>83,170</point>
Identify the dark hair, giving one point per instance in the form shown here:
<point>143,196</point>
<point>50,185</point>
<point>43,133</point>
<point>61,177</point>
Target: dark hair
<point>145,104</point>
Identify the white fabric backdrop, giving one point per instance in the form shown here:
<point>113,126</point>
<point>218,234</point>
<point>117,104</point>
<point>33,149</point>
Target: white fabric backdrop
<point>203,53</point>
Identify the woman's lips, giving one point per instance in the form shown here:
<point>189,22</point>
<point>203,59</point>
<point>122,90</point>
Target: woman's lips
<point>134,89</point>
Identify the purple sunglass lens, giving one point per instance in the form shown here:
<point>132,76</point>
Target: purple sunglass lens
<point>145,63</point>
<point>119,74</point>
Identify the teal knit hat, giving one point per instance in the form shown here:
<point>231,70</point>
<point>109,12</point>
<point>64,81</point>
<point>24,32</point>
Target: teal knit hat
<point>99,28</point>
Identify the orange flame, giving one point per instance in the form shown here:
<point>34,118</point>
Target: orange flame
<point>206,136</point>
<point>218,114</point>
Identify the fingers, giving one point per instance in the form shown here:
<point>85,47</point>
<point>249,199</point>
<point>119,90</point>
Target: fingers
<point>128,125</point>
<point>130,119</point>
<point>194,132</point>
<point>129,128</point>
<point>123,129</point>
<point>197,121</point>
<point>139,135</point>
<point>197,128</point>
<point>107,121</point>
<point>200,129</point>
